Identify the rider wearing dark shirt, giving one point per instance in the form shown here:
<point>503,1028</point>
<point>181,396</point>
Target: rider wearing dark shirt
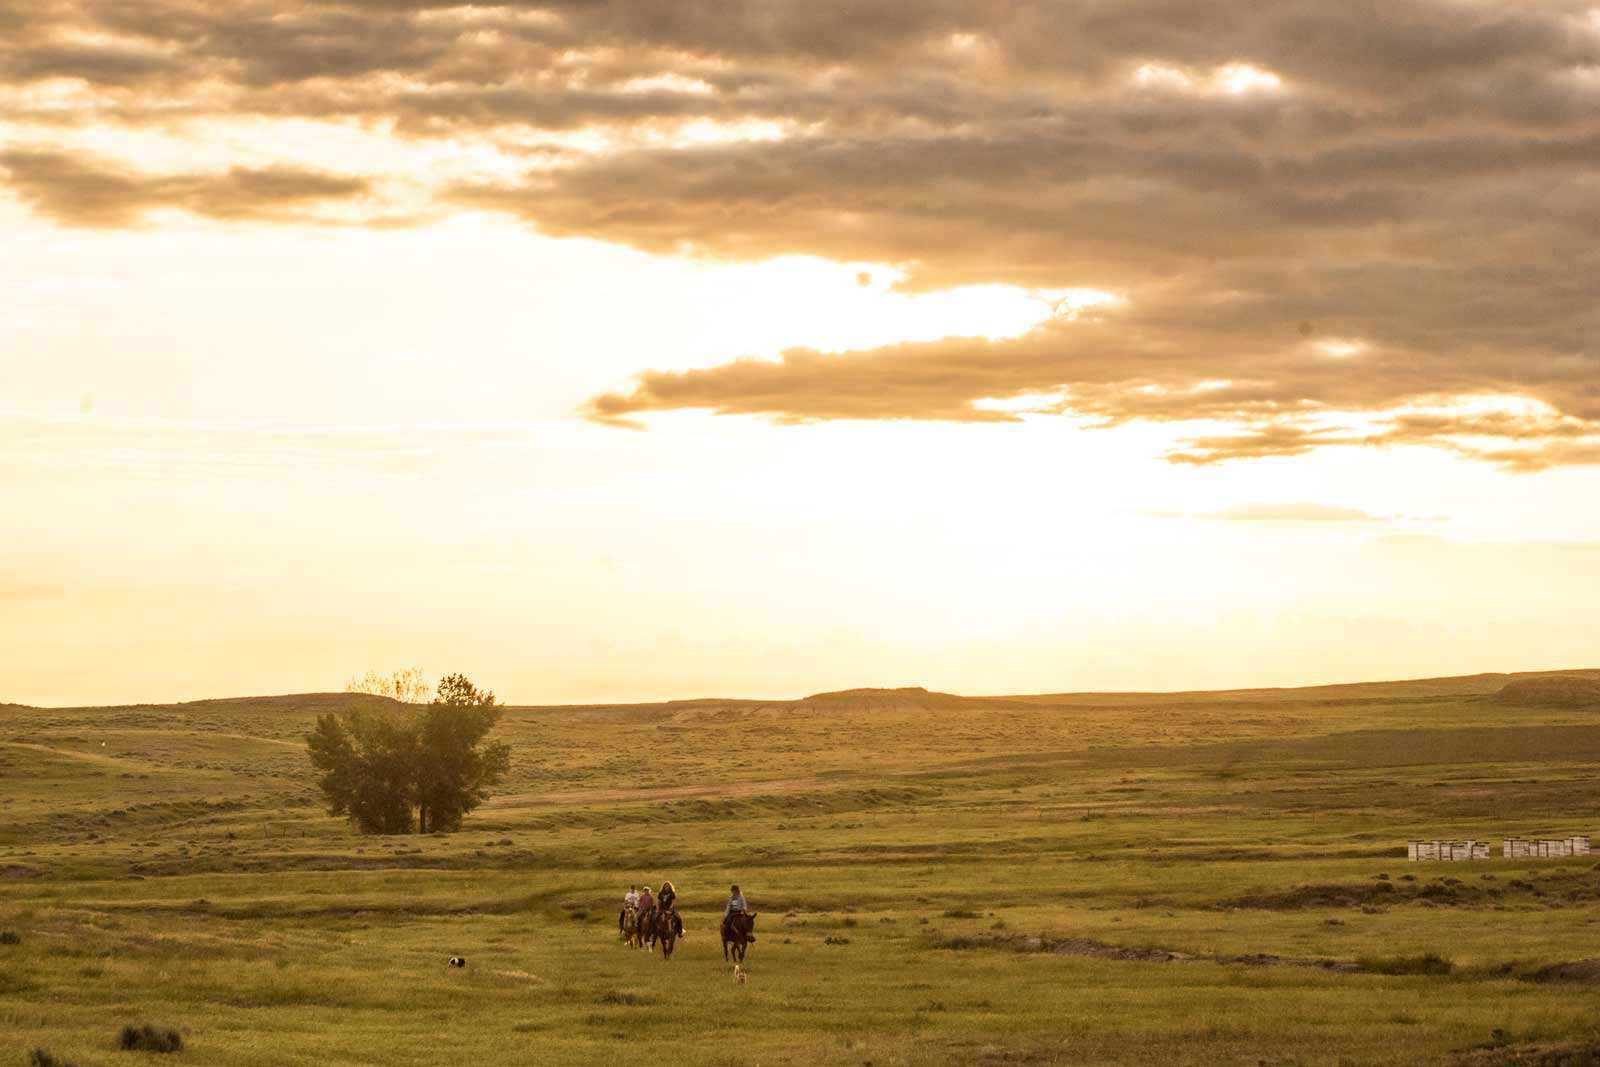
<point>664,901</point>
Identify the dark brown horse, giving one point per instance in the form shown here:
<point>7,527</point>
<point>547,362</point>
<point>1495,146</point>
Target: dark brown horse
<point>738,930</point>
<point>659,925</point>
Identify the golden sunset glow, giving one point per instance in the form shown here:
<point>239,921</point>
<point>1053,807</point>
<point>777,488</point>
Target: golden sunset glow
<point>649,351</point>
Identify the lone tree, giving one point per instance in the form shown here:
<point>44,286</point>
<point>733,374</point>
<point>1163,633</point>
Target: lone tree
<point>455,768</point>
<point>417,768</point>
<point>368,762</point>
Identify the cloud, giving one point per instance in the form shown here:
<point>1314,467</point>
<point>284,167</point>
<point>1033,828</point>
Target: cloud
<point>1306,512</point>
<point>1115,364</point>
<point>1544,457</point>
<point>81,190</point>
<point>1321,219</point>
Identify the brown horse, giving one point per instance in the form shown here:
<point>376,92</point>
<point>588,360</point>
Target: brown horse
<point>738,930</point>
<point>663,926</point>
<point>628,923</point>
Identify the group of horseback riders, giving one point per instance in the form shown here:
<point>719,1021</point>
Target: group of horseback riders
<point>648,917</point>
<point>641,907</point>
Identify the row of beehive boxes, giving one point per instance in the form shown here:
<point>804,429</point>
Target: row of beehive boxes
<point>1511,848</point>
<point>1549,848</point>
<point>1447,850</point>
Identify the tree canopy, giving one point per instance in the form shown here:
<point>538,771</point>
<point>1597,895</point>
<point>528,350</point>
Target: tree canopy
<point>414,768</point>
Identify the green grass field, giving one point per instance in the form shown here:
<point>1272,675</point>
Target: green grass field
<point>1078,879</point>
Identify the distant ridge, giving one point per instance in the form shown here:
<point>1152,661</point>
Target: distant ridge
<point>1446,685</point>
<point>1569,690</point>
<point>1583,682</point>
<point>287,702</point>
<point>912,698</point>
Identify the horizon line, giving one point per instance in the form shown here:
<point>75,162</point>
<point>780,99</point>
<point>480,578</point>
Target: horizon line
<point>853,689</point>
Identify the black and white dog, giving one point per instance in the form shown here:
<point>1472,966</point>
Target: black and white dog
<point>458,961</point>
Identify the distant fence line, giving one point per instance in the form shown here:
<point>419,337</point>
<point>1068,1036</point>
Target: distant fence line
<point>1510,848</point>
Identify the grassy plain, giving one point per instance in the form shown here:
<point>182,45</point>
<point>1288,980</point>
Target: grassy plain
<point>1075,879</point>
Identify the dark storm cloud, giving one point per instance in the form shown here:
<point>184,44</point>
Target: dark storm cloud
<point>1423,180</point>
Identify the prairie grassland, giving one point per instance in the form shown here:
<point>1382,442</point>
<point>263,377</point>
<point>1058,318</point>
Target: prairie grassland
<point>1096,878</point>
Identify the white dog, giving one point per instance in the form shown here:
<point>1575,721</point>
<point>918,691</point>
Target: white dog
<point>738,974</point>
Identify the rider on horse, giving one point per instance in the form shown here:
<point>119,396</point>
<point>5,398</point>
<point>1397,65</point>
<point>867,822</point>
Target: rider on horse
<point>664,901</point>
<point>737,905</point>
<point>630,902</point>
<point>647,903</point>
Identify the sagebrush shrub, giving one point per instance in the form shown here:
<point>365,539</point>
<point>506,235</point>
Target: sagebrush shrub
<point>149,1038</point>
<point>1427,963</point>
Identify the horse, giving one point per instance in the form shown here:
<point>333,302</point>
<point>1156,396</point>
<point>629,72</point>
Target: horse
<point>663,926</point>
<point>628,923</point>
<point>738,930</point>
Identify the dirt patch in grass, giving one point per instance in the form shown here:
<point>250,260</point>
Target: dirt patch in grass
<point>519,976</point>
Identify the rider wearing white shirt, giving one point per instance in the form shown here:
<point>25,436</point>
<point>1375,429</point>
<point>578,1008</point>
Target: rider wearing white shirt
<point>630,902</point>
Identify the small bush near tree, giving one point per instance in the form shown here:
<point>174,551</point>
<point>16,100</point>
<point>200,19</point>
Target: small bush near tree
<point>10,937</point>
<point>149,1038</point>
<point>42,1058</point>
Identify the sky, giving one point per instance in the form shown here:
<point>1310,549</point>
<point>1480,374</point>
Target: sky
<point>660,349</point>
